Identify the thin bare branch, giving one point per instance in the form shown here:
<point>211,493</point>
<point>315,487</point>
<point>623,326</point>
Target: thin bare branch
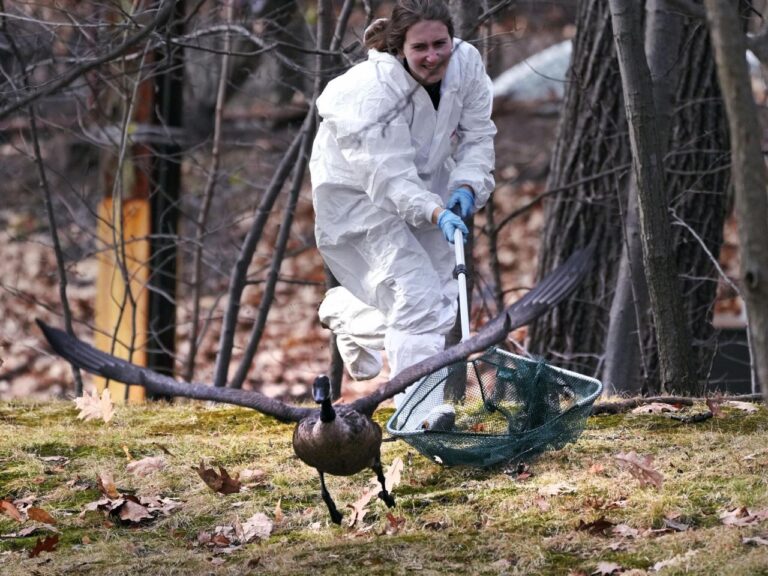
<point>210,186</point>
<point>308,135</point>
<point>47,197</point>
<point>163,13</point>
<point>239,274</point>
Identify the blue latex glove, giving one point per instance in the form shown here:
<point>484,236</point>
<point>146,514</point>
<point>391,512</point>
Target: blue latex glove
<point>449,222</point>
<point>465,199</point>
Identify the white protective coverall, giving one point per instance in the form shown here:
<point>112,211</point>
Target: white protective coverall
<point>383,160</point>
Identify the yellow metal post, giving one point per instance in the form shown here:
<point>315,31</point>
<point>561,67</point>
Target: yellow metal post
<point>121,293</point>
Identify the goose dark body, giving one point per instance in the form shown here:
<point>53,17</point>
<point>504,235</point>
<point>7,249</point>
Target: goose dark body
<point>339,440</point>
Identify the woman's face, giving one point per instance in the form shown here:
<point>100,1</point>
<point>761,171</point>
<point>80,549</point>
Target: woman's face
<point>427,49</point>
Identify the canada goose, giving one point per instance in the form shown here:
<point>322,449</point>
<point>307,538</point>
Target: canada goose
<point>313,430</point>
<point>340,442</point>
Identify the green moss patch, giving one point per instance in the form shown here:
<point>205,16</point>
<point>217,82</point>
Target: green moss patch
<point>570,510</point>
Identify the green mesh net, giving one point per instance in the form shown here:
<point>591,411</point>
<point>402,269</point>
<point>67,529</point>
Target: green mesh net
<point>496,408</point>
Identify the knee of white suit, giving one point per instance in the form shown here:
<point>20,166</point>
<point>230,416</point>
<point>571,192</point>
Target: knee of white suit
<point>345,314</point>
<point>404,350</point>
<point>362,363</point>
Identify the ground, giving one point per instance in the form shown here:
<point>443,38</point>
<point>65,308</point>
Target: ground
<point>699,507</point>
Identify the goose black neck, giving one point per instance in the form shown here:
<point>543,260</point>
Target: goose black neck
<point>327,413</point>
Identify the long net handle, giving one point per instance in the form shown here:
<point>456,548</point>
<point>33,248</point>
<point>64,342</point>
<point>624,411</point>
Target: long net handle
<point>458,244</point>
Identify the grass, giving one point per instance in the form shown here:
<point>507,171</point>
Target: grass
<point>455,520</point>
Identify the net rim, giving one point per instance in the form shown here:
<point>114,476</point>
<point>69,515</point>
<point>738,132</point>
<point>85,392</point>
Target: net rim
<point>580,403</point>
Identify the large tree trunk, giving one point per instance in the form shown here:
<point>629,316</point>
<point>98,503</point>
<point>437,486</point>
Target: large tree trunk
<point>623,349</point>
<point>749,174</point>
<point>590,164</point>
<point>697,176</point>
<point>688,101</point>
<point>661,273</point>
<point>592,144</point>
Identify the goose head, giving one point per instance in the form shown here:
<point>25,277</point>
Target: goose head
<point>321,393</point>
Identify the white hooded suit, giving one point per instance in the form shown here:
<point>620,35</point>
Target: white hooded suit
<point>383,160</point>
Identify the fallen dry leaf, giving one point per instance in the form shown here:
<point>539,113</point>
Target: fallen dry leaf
<point>250,476</point>
<point>743,406</point>
<point>673,524</point>
<point>392,478</point>
<point>221,540</point>
<point>62,460</point>
<point>394,524</point>
<point>557,488</point>
<point>393,474</point>
<point>640,467</point>
<point>93,408</point>
<point>101,504</point>
<point>132,511</point>
<point>10,510</point>
<point>40,515</point>
<point>606,568</point>
<point>655,408</point>
<point>674,561</point>
<point>157,504</point>
<point>47,544</point>
<point>714,403</point>
<point>257,527</point>
<point>743,516</point>
<point>279,516</point>
<point>106,485</point>
<point>596,468</point>
<point>146,466</point>
<point>221,482</point>
<point>625,531</point>
<point>359,507</point>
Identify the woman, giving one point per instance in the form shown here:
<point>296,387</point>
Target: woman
<point>405,136</point>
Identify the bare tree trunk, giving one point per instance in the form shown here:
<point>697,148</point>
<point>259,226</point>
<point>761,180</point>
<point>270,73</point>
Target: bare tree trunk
<point>623,346</point>
<point>588,167</point>
<point>697,178</point>
<point>661,274</point>
<point>749,174</point>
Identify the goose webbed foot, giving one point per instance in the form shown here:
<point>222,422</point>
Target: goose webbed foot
<point>388,499</point>
<point>336,516</point>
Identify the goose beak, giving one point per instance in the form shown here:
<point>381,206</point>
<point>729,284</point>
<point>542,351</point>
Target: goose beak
<point>321,389</point>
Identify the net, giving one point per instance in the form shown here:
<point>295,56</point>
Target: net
<point>496,408</point>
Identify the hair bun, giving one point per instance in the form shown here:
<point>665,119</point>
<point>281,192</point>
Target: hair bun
<point>376,27</point>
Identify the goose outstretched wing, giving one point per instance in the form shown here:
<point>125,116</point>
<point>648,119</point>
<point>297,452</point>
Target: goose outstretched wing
<point>88,358</point>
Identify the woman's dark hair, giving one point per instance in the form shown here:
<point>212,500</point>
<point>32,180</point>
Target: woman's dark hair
<point>388,34</point>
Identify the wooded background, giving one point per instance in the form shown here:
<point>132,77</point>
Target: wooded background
<point>156,195</point>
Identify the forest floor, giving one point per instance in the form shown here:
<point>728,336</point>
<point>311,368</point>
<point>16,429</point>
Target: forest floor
<point>637,494</point>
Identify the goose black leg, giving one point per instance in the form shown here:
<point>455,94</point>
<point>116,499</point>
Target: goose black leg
<point>389,500</point>
<point>335,514</point>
